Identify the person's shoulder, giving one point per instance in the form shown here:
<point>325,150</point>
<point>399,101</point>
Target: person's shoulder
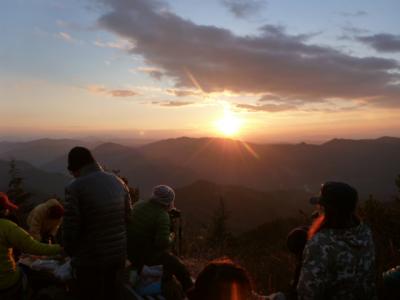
<point>72,183</point>
<point>7,224</point>
<point>321,242</point>
<point>140,203</point>
<point>365,233</point>
<point>321,236</point>
<point>111,177</point>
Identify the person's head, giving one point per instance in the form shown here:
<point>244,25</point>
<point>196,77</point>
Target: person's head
<point>339,202</point>
<point>78,158</point>
<point>6,206</point>
<point>164,196</point>
<point>222,280</point>
<point>56,211</point>
<point>296,240</point>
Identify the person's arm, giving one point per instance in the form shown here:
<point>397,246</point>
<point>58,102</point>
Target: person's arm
<point>24,242</point>
<point>72,222</point>
<point>162,239</point>
<point>314,272</point>
<point>35,225</point>
<point>54,230</point>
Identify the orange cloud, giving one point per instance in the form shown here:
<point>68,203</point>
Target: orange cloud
<point>98,89</point>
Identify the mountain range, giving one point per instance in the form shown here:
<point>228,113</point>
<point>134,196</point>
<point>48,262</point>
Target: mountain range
<point>258,182</point>
<point>370,165</point>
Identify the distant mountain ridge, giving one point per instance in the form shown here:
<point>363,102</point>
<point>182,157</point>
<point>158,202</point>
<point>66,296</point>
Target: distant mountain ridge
<point>38,152</point>
<point>42,184</point>
<point>370,165</point>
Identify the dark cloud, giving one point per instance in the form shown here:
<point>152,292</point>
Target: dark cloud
<point>266,107</point>
<point>172,103</point>
<point>381,42</point>
<point>274,98</point>
<point>244,8</point>
<point>271,62</point>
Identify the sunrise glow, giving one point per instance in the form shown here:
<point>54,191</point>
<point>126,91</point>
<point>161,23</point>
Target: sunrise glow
<point>229,125</point>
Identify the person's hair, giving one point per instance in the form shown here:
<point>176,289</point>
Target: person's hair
<point>79,157</point>
<point>334,217</point>
<point>222,280</point>
<point>56,212</point>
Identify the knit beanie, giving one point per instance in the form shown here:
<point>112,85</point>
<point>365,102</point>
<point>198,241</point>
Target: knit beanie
<point>164,195</point>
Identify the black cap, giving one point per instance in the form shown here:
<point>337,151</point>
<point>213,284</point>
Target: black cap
<point>337,194</point>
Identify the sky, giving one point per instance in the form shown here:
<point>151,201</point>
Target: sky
<point>257,70</point>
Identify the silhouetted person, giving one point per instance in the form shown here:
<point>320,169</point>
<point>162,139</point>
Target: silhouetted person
<point>339,257</point>
<point>149,236</point>
<point>13,237</point>
<point>222,280</point>
<point>97,205</point>
<point>296,241</point>
<point>391,284</point>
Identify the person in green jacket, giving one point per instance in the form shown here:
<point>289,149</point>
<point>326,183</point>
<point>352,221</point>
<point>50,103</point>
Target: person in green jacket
<point>14,237</point>
<point>149,236</point>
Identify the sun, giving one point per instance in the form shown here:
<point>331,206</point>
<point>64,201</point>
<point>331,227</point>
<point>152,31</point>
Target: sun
<point>229,125</point>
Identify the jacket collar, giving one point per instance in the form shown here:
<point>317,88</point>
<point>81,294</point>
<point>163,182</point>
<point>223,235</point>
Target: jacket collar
<point>90,168</point>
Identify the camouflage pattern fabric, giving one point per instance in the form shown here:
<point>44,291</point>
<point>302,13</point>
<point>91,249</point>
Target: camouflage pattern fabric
<point>338,264</point>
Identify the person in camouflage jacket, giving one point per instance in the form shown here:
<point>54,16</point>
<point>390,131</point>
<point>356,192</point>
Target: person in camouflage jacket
<point>339,258</point>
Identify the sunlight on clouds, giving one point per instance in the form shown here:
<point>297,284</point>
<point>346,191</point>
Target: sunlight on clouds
<point>121,44</point>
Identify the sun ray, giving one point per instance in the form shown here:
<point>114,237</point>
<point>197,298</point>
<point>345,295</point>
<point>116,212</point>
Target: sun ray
<point>250,150</point>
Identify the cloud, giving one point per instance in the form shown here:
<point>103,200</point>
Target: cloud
<point>353,30</point>
<point>101,90</point>
<point>266,107</point>
<point>182,93</point>
<point>153,72</point>
<point>72,26</point>
<point>66,37</point>
<point>121,44</point>
<point>244,8</point>
<point>172,103</point>
<point>358,13</point>
<point>270,62</point>
<point>381,42</point>
<point>122,93</point>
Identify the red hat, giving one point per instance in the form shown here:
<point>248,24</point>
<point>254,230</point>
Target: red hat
<point>5,203</point>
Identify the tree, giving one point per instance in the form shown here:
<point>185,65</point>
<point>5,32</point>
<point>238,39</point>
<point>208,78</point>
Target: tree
<point>218,233</point>
<point>16,190</point>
